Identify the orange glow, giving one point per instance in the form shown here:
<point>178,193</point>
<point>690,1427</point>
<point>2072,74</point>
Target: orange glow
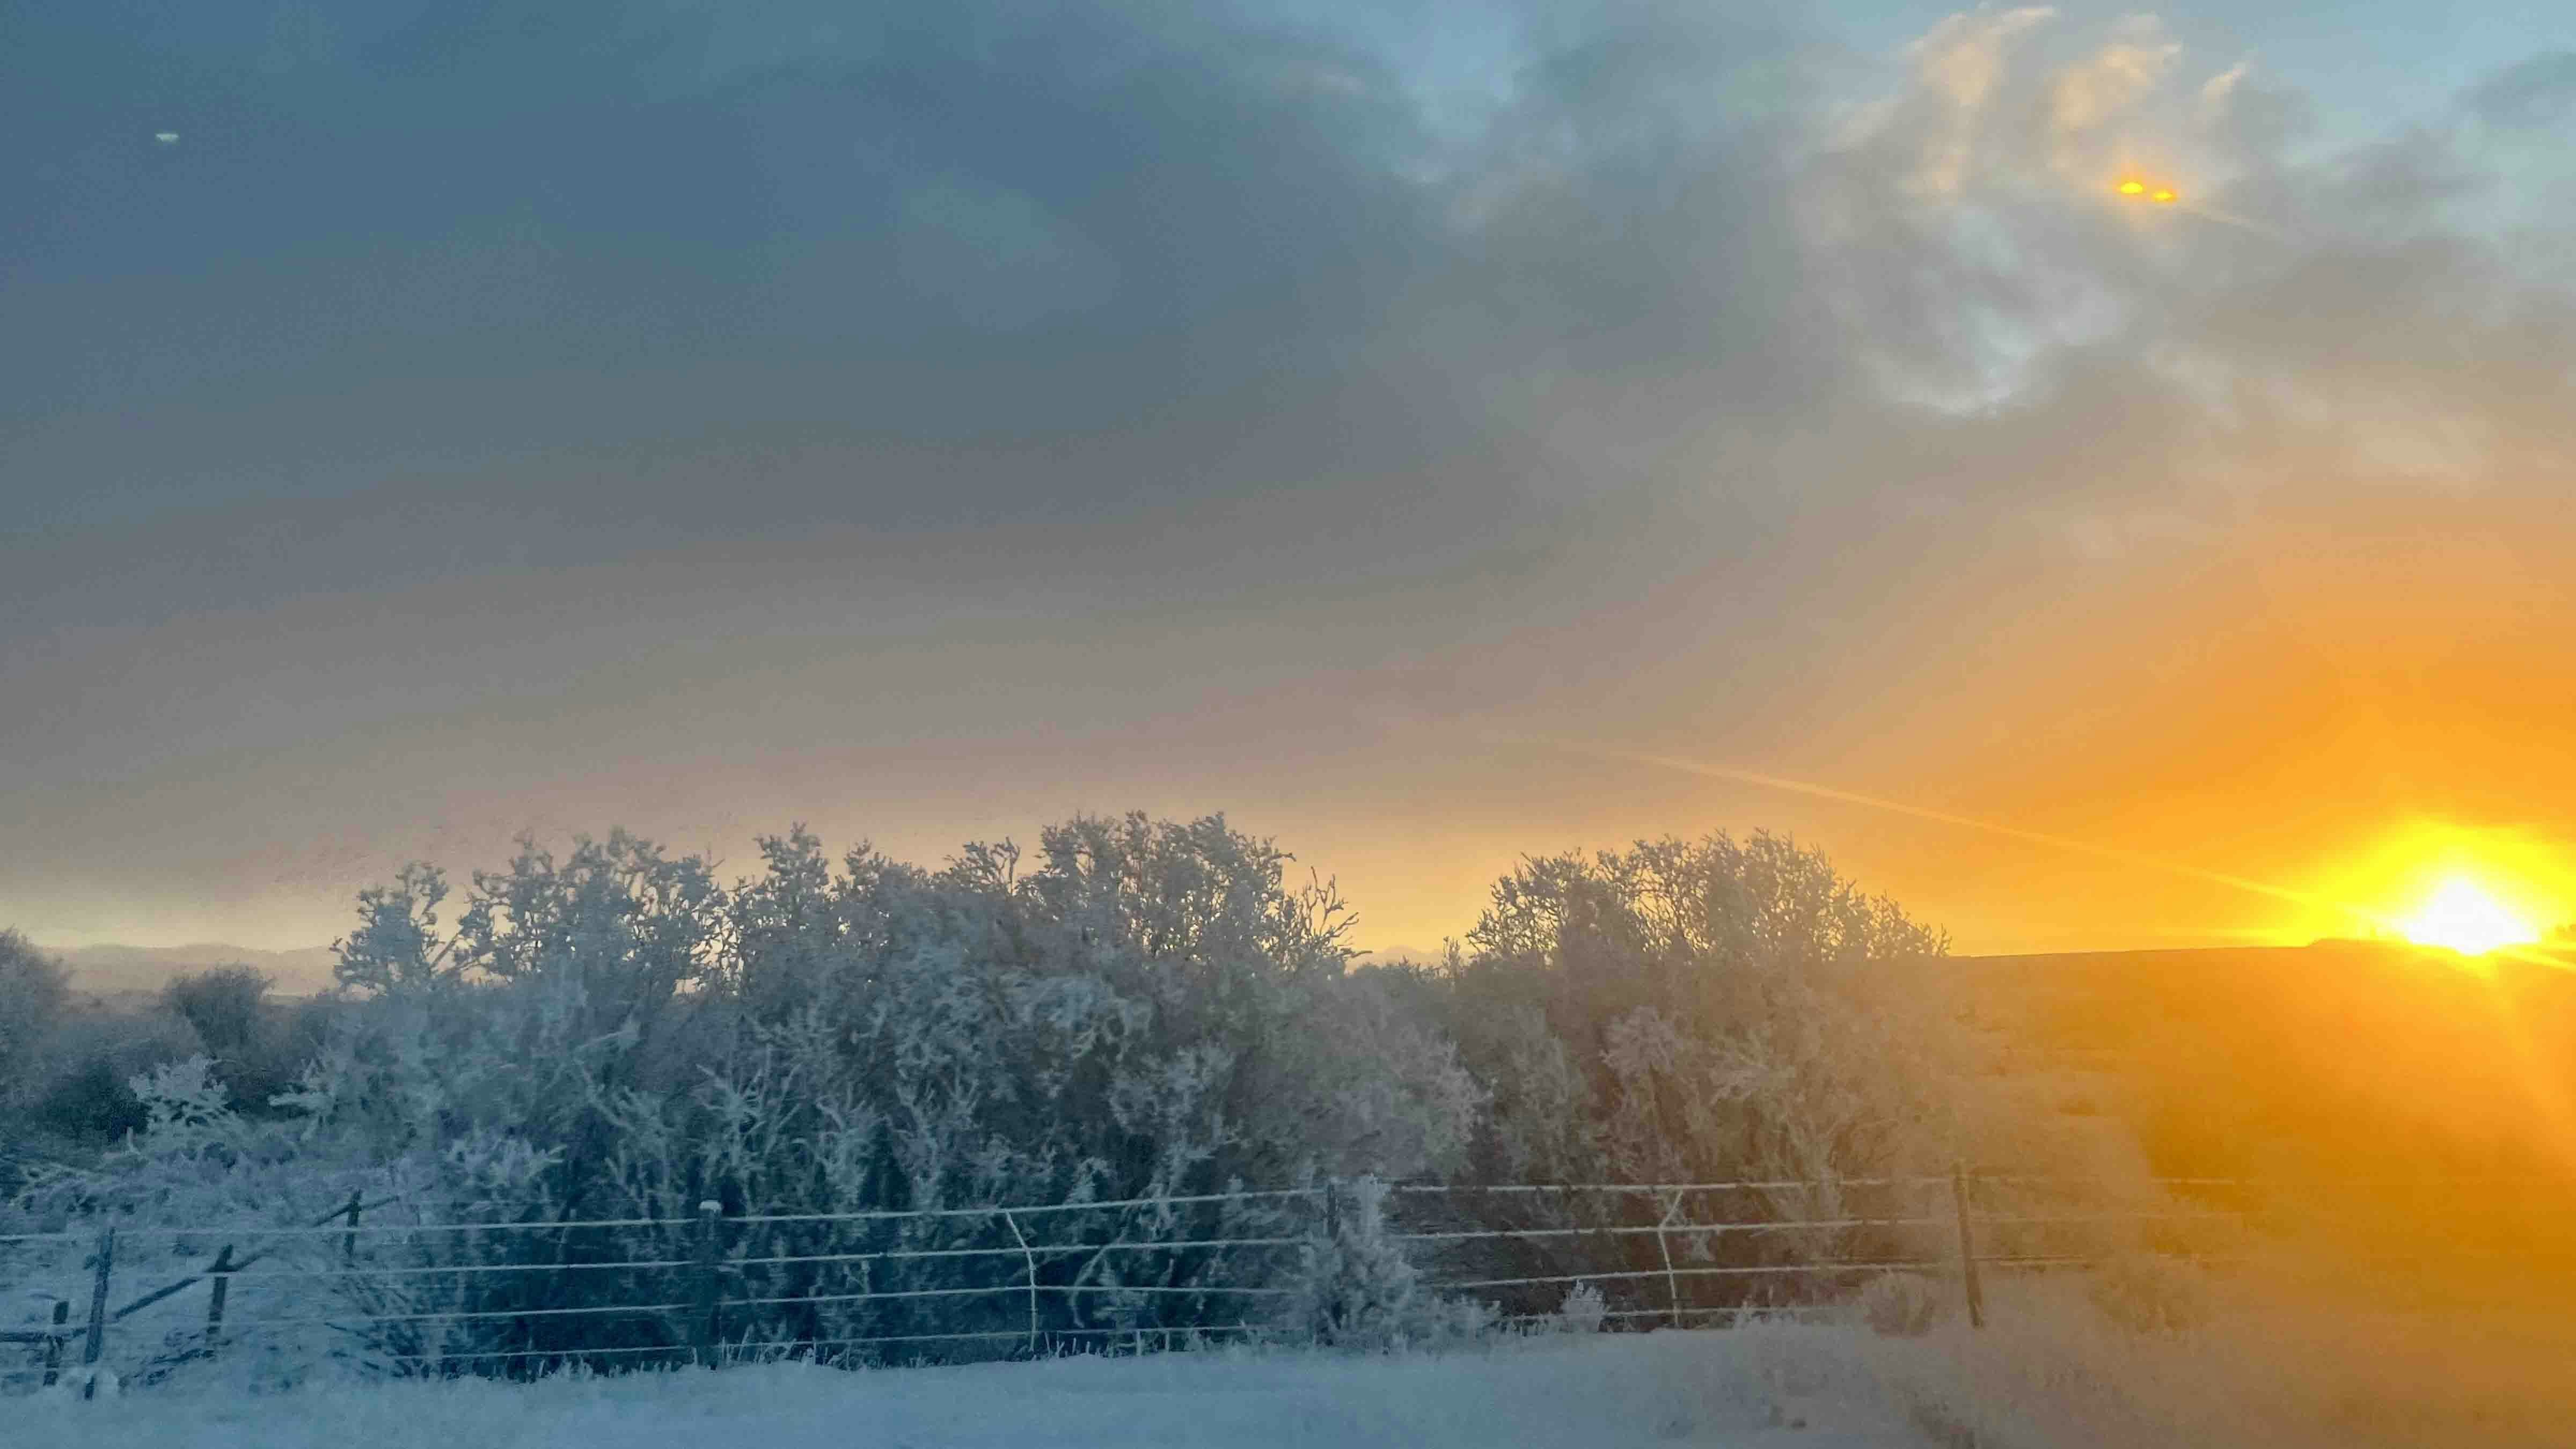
<point>2163,197</point>
<point>2465,917</point>
<point>2472,890</point>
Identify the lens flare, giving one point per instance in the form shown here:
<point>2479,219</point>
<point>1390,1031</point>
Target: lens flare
<point>2461,915</point>
<point>2133,188</point>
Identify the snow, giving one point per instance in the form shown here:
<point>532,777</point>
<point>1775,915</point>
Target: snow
<point>1768,1387</point>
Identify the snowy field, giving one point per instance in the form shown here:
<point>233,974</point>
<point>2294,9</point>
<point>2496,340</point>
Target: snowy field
<point>1764,1389</point>
<point>2046,1373</point>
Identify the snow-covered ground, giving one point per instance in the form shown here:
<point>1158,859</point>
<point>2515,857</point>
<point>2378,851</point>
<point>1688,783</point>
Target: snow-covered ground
<point>1769,1388</point>
<point>2047,1370</point>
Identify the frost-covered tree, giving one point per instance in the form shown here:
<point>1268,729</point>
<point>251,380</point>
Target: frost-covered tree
<point>1711,998</point>
<point>1691,1012</point>
<point>254,1043</point>
<point>1139,1010</point>
<point>398,945</point>
<point>34,989</point>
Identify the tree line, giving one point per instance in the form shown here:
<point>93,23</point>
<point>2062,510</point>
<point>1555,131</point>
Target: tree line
<point>1134,1009</point>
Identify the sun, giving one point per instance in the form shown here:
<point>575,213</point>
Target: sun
<point>2463,916</point>
<point>2475,889</point>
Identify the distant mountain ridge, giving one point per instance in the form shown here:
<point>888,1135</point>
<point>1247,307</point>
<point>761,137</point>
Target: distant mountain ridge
<point>110,968</point>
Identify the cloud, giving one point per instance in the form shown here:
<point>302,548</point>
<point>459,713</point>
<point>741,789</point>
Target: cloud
<point>2532,95</point>
<point>995,259</point>
<point>1956,68</point>
<point>608,365</point>
<point>2099,89</point>
<point>779,271</point>
<point>1962,58</point>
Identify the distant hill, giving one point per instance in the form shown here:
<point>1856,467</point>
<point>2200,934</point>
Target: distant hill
<point>1394,955</point>
<point>111,970</point>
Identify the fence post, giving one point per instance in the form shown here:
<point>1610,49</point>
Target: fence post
<point>702,1328</point>
<point>1033,1280</point>
<point>1672,1280</point>
<point>105,1262</point>
<point>1967,1248</point>
<point>221,1282</point>
<point>349,1239</point>
<point>1332,1254</point>
<point>54,1345</point>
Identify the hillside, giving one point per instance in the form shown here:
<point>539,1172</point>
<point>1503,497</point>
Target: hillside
<point>109,970</point>
<point>2400,1117</point>
<point>2334,1059</point>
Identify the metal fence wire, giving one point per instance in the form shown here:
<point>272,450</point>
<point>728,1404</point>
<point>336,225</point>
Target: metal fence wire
<point>425,1296</point>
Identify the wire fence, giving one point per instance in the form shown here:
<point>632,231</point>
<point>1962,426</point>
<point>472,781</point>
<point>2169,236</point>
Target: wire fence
<point>427,1296</point>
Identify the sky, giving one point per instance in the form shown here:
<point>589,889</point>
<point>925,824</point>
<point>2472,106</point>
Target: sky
<point>1427,433</point>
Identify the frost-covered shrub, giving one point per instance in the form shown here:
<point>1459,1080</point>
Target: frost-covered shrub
<point>1368,1088</point>
<point>2149,1293</point>
<point>89,1064</point>
<point>1694,1012</point>
<point>862,1060</point>
<point>1542,1126</point>
<point>1355,1287</point>
<point>89,1102</point>
<point>1145,1011</point>
<point>1583,1311</point>
<point>34,990</point>
<point>253,1042</point>
<point>1900,1305</point>
<point>1709,993</point>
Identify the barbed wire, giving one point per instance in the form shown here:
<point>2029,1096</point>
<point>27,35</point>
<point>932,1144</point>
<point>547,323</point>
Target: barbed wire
<point>733,1268</point>
<point>375,1230</point>
<point>242,1274</point>
<point>738,1349</point>
<point>1030,1210</point>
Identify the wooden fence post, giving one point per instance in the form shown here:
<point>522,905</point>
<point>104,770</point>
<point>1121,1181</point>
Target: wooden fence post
<point>1033,1280</point>
<point>1967,1248</point>
<point>221,1274</point>
<point>54,1345</point>
<point>105,1263</point>
<point>702,1328</point>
